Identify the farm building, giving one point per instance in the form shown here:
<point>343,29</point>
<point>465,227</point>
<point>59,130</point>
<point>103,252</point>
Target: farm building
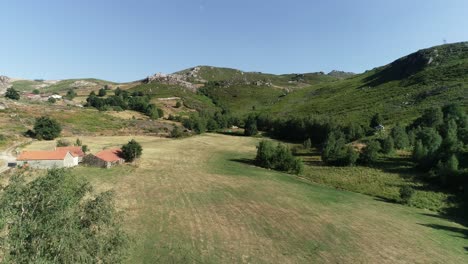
<point>105,158</point>
<point>76,151</point>
<point>47,159</point>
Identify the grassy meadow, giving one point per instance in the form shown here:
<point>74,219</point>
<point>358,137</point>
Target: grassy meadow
<point>199,199</point>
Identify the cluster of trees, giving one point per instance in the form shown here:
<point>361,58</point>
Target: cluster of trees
<point>209,121</point>
<point>57,218</point>
<point>277,157</point>
<point>123,100</point>
<point>11,93</point>
<point>300,129</point>
<point>45,128</point>
<point>439,138</point>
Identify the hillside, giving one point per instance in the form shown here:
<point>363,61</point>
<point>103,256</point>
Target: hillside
<point>399,90</point>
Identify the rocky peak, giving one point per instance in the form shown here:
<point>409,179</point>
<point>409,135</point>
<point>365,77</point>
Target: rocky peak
<point>171,79</point>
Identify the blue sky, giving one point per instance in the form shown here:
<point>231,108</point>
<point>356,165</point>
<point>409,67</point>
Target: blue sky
<point>128,40</point>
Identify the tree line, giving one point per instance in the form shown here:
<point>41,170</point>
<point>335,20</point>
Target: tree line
<point>123,100</point>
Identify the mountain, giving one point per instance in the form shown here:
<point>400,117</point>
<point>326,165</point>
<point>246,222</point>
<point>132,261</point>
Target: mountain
<point>399,90</point>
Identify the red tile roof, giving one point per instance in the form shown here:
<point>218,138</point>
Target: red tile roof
<point>110,155</point>
<point>42,155</point>
<point>74,150</point>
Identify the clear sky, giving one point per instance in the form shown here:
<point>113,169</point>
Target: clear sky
<point>125,40</point>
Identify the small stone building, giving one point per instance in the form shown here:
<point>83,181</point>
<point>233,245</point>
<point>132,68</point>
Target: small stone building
<point>46,159</point>
<point>76,151</point>
<point>105,158</point>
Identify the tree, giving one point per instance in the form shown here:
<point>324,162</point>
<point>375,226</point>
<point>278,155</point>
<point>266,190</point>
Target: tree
<point>131,151</point>
<point>78,142</point>
<point>336,152</point>
<point>376,120</point>
<point>387,145</point>
<point>406,193</point>
<point>307,144</point>
<point>160,112</point>
<point>432,117</point>
<point>265,154</point>
<point>36,91</point>
<point>57,218</point>
<point>178,104</point>
<point>152,111</point>
<point>400,137</point>
<point>52,100</point>
<point>46,128</point>
<point>70,94</point>
<point>447,171</point>
<point>118,91</point>
<point>102,92</point>
<point>250,128</point>
<point>11,93</point>
<point>84,148</point>
<point>370,152</point>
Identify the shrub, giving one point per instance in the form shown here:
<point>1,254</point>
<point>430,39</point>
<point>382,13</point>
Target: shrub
<point>400,138</point>
<point>250,128</point>
<point>160,112</point>
<point>387,145</point>
<point>36,91</point>
<point>78,142</point>
<point>84,148</point>
<point>370,153</point>
<point>46,128</point>
<point>278,158</point>
<point>38,214</point>
<point>307,144</point>
<point>178,104</point>
<point>70,94</point>
<point>52,100</point>
<point>11,93</point>
<point>406,193</point>
<point>63,143</point>
<point>131,151</point>
<point>102,92</point>
<point>376,120</point>
<point>176,132</point>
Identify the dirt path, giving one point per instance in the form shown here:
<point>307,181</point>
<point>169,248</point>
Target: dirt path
<point>7,156</point>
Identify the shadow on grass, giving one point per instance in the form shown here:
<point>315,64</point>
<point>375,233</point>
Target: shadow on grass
<point>250,162</point>
<point>385,199</point>
<point>460,232</point>
<point>234,133</point>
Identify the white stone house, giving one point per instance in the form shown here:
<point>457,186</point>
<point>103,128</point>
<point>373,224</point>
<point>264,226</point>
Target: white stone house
<point>47,159</point>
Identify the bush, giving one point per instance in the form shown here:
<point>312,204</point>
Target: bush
<point>278,158</point>
<point>387,145</point>
<point>11,93</point>
<point>46,128</point>
<point>57,219</point>
<point>307,144</point>
<point>250,128</point>
<point>178,104</point>
<point>131,151</point>
<point>376,120</point>
<point>370,153</point>
<point>102,92</point>
<point>52,100</point>
<point>406,193</point>
<point>63,143</point>
<point>70,94</point>
<point>336,152</point>
<point>176,132</point>
<point>36,91</point>
<point>400,138</point>
<point>84,148</point>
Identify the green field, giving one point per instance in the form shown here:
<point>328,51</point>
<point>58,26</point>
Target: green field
<point>199,200</point>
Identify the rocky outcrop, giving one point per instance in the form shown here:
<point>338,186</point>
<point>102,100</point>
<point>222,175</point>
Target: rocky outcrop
<point>171,79</point>
<point>340,74</point>
<point>5,83</point>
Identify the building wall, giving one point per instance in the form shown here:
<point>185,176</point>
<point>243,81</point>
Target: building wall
<point>68,161</point>
<point>42,164</point>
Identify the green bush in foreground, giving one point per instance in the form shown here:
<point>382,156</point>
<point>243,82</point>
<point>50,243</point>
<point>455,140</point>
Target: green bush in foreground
<point>278,158</point>
<point>11,93</point>
<point>57,219</point>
